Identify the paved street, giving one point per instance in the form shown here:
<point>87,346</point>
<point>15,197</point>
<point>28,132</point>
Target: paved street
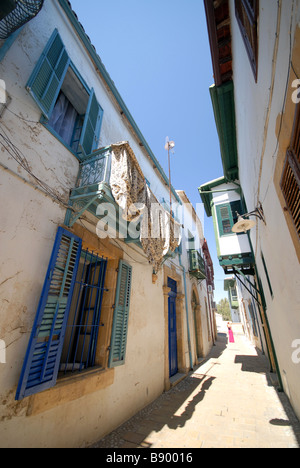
<point>227,402</point>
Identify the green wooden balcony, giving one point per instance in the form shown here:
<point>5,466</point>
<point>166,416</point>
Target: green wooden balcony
<point>92,186</point>
<point>15,13</point>
<point>92,195</point>
<point>92,190</point>
<point>196,265</point>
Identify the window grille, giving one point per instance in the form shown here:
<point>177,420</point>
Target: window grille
<point>82,330</point>
<point>23,11</point>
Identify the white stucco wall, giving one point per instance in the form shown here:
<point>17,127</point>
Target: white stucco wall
<point>258,106</point>
<point>29,221</point>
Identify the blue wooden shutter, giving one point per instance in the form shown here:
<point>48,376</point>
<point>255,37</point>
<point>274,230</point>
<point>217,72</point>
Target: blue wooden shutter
<point>47,78</point>
<point>121,314</point>
<point>42,358</point>
<point>91,126</point>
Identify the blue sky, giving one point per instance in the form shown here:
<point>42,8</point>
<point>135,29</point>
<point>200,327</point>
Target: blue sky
<point>157,53</point>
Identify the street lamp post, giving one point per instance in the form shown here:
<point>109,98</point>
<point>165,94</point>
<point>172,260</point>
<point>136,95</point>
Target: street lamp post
<point>169,145</point>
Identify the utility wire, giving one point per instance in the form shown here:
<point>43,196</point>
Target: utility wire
<point>19,157</point>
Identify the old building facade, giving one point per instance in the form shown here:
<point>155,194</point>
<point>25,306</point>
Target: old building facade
<point>255,56</point>
<point>98,316</point>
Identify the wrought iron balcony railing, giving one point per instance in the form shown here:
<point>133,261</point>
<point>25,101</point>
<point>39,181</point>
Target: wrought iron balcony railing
<point>92,186</point>
<point>15,13</point>
<point>95,169</point>
<point>197,265</point>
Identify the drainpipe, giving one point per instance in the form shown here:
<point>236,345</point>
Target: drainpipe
<point>187,313</point>
<point>210,316</point>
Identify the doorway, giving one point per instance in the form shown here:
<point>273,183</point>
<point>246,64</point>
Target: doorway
<point>197,325</point>
<point>173,360</point>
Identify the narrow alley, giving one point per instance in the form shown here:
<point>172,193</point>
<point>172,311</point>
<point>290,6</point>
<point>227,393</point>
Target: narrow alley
<point>228,401</point>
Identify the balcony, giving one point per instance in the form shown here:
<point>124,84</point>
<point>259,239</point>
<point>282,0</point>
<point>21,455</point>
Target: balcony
<point>92,190</point>
<point>15,13</point>
<point>196,265</point>
<point>92,186</point>
<point>111,193</point>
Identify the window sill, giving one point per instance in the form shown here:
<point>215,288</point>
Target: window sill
<point>70,388</point>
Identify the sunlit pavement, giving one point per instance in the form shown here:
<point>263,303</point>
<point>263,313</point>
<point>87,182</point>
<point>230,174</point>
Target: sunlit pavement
<point>228,401</point>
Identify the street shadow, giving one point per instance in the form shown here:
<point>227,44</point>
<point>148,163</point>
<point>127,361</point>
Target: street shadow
<point>137,431</point>
<point>169,404</point>
<point>174,421</point>
<point>218,348</point>
<point>291,420</point>
<point>260,364</point>
<point>252,363</point>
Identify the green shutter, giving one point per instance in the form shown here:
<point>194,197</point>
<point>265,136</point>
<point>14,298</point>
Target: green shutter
<point>225,220</point>
<point>227,217</point>
<point>121,314</point>
<point>91,126</point>
<point>47,78</point>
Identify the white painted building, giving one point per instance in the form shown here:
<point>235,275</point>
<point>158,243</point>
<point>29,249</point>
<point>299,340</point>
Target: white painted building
<point>84,334</point>
<point>255,49</point>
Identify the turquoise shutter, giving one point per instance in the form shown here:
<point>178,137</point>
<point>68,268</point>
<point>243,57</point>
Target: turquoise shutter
<point>43,354</point>
<point>91,126</point>
<point>121,314</point>
<point>47,78</point>
<point>225,220</point>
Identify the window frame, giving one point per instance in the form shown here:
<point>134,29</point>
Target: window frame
<point>85,307</point>
<point>291,170</point>
<point>81,154</point>
<point>231,217</point>
<point>42,371</point>
<point>252,24</point>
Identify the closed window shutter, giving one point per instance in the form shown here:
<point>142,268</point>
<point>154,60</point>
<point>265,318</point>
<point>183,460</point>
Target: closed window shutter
<point>290,179</point>
<point>290,186</point>
<point>247,16</point>
<point>47,78</point>
<point>91,126</point>
<point>225,220</point>
<point>121,314</point>
<point>42,358</point>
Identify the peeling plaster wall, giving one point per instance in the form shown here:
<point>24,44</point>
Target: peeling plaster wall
<point>259,107</point>
<point>28,225</point>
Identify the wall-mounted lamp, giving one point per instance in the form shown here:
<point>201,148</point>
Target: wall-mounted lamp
<point>244,225</point>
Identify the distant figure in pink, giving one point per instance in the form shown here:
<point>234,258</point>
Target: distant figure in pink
<point>230,333</point>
